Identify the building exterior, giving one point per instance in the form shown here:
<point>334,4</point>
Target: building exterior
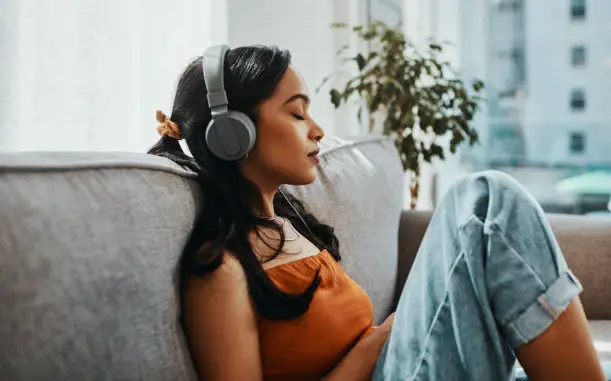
<point>548,69</point>
<point>568,109</point>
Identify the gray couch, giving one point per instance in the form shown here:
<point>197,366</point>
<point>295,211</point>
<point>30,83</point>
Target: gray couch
<point>89,243</point>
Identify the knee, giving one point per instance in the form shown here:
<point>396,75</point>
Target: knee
<point>495,184</point>
<point>498,183</point>
<point>494,193</point>
<point>503,185</point>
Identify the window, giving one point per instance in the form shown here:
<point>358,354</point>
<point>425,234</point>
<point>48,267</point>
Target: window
<point>577,143</point>
<point>510,5</point>
<point>578,55</point>
<point>578,9</point>
<point>578,100</point>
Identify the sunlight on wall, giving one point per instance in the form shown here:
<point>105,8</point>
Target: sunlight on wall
<point>90,75</point>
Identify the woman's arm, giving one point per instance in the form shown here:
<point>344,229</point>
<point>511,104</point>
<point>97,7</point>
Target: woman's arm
<point>221,325</point>
<point>359,363</point>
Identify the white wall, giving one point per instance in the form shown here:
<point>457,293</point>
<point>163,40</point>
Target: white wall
<point>304,28</point>
<point>82,75</point>
<point>87,75</point>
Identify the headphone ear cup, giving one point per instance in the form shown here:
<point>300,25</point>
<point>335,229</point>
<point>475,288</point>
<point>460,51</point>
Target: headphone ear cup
<point>249,125</point>
<point>231,136</point>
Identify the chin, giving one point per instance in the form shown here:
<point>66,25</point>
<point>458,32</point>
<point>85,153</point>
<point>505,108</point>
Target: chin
<point>305,178</point>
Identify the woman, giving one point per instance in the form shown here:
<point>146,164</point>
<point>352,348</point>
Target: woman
<point>264,297</point>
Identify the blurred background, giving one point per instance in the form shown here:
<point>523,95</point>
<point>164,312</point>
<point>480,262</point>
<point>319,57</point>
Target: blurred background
<point>89,75</point>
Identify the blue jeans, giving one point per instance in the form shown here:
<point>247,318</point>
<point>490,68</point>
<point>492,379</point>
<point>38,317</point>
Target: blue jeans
<point>489,277</point>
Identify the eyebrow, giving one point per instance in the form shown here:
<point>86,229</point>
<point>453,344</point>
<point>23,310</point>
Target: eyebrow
<point>295,97</point>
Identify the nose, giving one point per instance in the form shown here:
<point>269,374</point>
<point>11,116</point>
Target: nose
<point>316,132</point>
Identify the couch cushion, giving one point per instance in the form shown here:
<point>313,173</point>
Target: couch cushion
<point>359,191</point>
<point>89,243</point>
<point>601,332</point>
<point>88,247</point>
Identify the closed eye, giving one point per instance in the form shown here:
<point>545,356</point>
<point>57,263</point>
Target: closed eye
<point>298,117</point>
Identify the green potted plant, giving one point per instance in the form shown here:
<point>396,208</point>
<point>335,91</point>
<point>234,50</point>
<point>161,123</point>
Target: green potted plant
<point>420,99</point>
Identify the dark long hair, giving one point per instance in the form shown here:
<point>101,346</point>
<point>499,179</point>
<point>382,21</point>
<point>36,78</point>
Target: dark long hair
<point>251,76</point>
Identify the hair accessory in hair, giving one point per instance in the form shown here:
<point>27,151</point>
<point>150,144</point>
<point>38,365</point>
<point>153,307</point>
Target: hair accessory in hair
<point>167,127</point>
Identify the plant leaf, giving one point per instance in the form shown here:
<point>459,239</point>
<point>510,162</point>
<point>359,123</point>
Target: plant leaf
<point>440,126</point>
<point>457,138</point>
<point>335,97</point>
<point>478,85</point>
<point>322,83</point>
<point>473,137</point>
<point>360,61</point>
<point>421,96</point>
<point>342,49</point>
<point>437,150</point>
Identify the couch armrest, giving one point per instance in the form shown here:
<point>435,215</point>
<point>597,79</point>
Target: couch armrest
<point>585,242</point>
<point>412,227</point>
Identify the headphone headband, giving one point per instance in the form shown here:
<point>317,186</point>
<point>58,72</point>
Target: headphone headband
<point>213,63</point>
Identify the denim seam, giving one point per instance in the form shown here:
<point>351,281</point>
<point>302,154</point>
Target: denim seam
<point>514,328</point>
<point>498,230</point>
<point>459,257</point>
<point>462,226</point>
<point>543,223</point>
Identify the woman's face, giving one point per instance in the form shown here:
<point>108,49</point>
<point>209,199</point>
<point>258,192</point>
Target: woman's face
<point>286,137</point>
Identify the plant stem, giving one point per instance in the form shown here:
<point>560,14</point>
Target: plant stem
<point>414,190</point>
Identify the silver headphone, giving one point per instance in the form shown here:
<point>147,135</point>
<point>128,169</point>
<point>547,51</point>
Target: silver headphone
<point>230,135</point>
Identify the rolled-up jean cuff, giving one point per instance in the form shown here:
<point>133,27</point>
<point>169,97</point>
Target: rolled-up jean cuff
<point>537,317</point>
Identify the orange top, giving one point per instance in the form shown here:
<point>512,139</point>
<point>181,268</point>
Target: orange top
<point>309,346</point>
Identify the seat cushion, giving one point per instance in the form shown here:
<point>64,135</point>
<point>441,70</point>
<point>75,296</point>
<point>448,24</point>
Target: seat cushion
<point>601,332</point>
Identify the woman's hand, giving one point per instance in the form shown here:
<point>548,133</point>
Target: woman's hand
<point>359,363</point>
<point>375,341</point>
<point>387,325</point>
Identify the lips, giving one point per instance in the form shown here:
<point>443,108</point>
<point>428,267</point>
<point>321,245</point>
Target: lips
<point>314,153</point>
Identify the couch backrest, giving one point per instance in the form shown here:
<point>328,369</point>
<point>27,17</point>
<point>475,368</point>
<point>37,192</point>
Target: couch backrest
<point>89,244</point>
<point>586,244</point>
<point>88,247</point>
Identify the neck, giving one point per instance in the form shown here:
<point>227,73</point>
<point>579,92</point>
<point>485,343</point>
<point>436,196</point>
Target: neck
<point>267,207</point>
<point>267,187</point>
